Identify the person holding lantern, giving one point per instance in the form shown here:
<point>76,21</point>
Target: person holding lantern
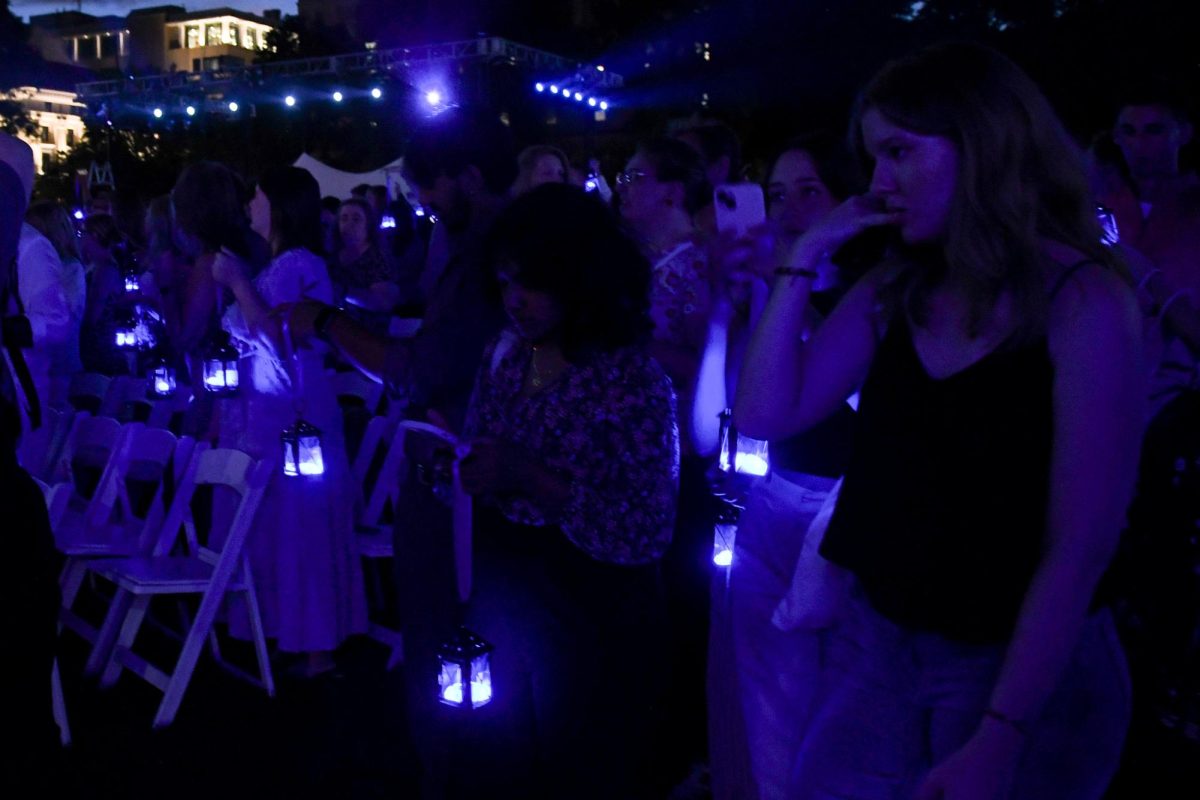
<point>308,578</point>
<point>997,347</point>
<point>573,460</point>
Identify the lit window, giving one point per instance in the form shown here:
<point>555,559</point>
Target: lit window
<point>194,37</point>
<point>212,35</point>
<point>250,39</point>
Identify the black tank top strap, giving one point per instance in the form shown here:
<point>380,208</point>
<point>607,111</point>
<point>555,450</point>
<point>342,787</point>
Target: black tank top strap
<point>1066,274</point>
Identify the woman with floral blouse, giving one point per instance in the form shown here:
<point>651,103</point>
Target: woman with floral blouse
<point>574,461</point>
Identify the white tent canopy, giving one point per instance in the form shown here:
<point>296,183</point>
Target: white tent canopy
<point>338,183</point>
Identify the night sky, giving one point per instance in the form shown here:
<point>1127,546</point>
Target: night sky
<point>100,8</point>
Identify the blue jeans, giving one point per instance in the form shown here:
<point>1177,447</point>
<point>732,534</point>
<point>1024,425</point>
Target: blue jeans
<point>898,702</point>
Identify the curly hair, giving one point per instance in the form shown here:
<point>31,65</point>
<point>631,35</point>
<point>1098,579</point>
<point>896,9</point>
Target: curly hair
<point>1020,181</point>
<point>565,242</point>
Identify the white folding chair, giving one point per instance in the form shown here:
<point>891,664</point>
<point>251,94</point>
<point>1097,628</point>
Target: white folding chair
<point>213,571</point>
<point>39,449</point>
<point>90,445</point>
<point>358,386</point>
<point>373,539</point>
<point>87,390</point>
<point>59,707</point>
<point>111,526</point>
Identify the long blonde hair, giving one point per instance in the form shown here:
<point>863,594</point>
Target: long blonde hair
<point>1021,179</point>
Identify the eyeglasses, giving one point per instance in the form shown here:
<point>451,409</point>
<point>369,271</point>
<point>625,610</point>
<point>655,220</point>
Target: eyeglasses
<point>629,176</point>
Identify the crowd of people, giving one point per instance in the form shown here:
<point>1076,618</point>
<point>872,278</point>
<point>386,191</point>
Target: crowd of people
<point>953,360</point>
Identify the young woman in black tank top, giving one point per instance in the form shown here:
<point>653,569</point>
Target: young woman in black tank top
<point>997,351</point>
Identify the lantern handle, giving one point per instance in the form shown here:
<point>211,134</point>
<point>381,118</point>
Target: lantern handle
<point>292,364</point>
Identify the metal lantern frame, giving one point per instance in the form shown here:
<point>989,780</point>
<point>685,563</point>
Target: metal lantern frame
<point>162,381</point>
<point>742,455</point>
<point>220,366</point>
<point>464,674</point>
<point>302,455</point>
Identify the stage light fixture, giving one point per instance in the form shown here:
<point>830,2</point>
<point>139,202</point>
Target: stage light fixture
<point>158,113</point>
<point>541,87</point>
<point>603,105</point>
<point>578,97</point>
<point>233,106</point>
<point>191,111</point>
<point>289,101</point>
<point>433,97</point>
<point>338,97</point>
<point>553,89</point>
<point>376,92</point>
<point>592,102</point>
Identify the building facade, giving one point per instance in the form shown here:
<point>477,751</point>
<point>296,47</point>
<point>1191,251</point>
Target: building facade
<point>159,39</point>
<point>59,119</point>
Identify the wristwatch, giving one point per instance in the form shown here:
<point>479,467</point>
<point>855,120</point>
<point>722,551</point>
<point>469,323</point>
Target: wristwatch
<point>322,321</point>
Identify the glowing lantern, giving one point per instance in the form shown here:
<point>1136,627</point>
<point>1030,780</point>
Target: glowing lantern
<point>723,540</point>
<point>302,450</point>
<point>125,330</point>
<point>465,678</point>
<point>162,380</point>
<point>132,282</point>
<point>221,367</point>
<point>741,455</point>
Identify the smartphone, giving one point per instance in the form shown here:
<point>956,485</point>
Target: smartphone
<point>739,207</point>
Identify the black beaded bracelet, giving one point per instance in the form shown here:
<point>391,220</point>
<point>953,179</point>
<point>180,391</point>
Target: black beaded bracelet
<point>796,272</point>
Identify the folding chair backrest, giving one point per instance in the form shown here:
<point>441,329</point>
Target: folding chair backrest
<point>90,446</point>
<point>378,434</point>
<point>39,449</point>
<point>87,391</point>
<point>387,484</point>
<point>163,410</point>
<point>126,399</point>
<point>150,460</point>
<point>356,385</point>
<point>232,469</point>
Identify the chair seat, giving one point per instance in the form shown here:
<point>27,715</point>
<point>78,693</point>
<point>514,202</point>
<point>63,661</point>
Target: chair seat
<point>171,575</point>
<point>372,542</point>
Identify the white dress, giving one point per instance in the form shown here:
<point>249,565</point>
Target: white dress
<point>307,576</point>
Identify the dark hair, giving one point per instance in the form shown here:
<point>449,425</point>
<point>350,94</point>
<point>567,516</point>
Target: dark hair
<point>1020,179</point>
<point>675,162</point>
<point>52,220</point>
<point>834,163</point>
<point>456,139</point>
<point>209,203</point>
<point>360,190</point>
<point>1147,91</point>
<point>717,140</point>
<point>568,243</point>
<point>330,203</point>
<point>295,201</point>
<point>371,218</point>
<point>104,228</point>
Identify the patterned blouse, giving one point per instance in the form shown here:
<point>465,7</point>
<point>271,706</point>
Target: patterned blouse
<point>608,425</point>
<point>679,290</point>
